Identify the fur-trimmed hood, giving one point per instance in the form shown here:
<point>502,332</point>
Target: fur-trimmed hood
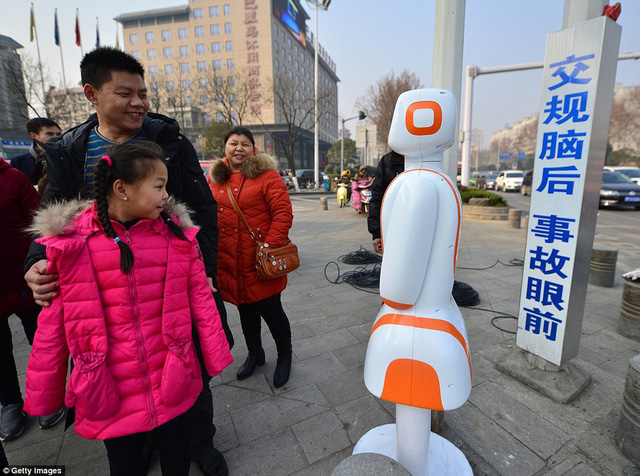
<point>57,218</point>
<point>250,168</point>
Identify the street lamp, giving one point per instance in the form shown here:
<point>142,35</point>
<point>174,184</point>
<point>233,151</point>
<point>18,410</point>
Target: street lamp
<point>316,145</point>
<point>361,115</point>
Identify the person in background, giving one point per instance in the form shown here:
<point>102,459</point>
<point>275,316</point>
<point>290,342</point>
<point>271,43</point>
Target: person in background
<point>113,82</point>
<point>389,166</point>
<point>18,201</point>
<point>262,197</point>
<point>32,164</point>
<point>133,285</point>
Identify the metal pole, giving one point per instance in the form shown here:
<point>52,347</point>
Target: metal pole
<point>316,146</point>
<point>466,126</point>
<point>342,148</point>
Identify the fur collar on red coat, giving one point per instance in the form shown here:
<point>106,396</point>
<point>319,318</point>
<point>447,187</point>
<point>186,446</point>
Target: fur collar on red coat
<point>57,218</point>
<point>250,168</point>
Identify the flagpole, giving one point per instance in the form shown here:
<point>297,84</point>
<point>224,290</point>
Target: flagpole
<point>35,32</point>
<point>59,43</point>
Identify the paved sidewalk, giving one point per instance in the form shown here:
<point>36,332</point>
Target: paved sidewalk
<point>311,424</point>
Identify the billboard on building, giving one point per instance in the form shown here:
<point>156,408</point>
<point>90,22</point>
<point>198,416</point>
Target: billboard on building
<point>288,13</point>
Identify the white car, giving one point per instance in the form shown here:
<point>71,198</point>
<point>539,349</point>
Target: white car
<point>630,171</point>
<point>509,180</point>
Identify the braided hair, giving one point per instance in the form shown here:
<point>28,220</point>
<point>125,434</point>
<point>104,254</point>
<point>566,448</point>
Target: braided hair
<point>131,163</point>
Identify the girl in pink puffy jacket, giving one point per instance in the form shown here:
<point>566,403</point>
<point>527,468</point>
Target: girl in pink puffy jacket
<point>132,283</point>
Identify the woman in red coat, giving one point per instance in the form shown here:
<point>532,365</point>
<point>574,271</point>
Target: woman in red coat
<point>262,196</point>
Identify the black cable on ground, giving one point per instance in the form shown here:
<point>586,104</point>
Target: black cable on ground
<point>361,256</point>
<point>512,262</point>
<point>360,278</point>
<point>464,294</point>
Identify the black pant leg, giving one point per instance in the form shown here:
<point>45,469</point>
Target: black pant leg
<point>223,318</point>
<point>198,419</point>
<point>29,319</point>
<point>173,444</point>
<point>273,314</point>
<point>9,385</point>
<point>251,325</point>
<point>125,455</point>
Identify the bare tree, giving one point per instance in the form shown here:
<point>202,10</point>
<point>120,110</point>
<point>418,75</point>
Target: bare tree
<point>228,93</point>
<point>294,108</point>
<point>624,126</point>
<point>380,100</point>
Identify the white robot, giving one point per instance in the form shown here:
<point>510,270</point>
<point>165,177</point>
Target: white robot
<point>418,353</point>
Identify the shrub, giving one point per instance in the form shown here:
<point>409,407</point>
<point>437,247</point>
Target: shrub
<point>495,200</point>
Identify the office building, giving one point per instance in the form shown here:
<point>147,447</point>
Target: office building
<point>237,61</point>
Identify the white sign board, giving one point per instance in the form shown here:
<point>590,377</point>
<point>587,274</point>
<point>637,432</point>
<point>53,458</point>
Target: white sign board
<point>577,92</point>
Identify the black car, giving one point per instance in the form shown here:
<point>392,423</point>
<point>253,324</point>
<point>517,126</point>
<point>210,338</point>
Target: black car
<point>618,189</point>
<point>526,183</point>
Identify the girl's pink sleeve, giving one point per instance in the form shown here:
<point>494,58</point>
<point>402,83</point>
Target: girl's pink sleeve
<point>215,348</point>
<point>48,362</point>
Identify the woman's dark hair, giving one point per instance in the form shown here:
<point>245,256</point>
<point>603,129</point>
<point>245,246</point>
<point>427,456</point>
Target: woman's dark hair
<point>240,130</point>
<point>130,162</point>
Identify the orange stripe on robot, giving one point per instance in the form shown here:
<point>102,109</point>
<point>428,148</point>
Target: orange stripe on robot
<point>423,131</point>
<point>423,323</point>
<point>414,383</point>
<point>396,305</point>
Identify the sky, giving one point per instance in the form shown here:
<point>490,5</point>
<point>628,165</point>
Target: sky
<point>367,40</point>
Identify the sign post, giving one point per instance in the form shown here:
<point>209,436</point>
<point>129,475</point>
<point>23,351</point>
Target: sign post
<point>578,83</point>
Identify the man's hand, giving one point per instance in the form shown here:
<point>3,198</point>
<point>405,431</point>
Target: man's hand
<point>210,280</point>
<point>44,286</point>
<point>377,245</point>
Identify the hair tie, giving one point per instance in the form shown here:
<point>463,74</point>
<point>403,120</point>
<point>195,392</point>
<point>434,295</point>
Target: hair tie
<point>116,240</point>
<point>109,162</point>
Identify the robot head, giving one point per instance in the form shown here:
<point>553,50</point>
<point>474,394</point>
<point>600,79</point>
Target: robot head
<point>424,123</point>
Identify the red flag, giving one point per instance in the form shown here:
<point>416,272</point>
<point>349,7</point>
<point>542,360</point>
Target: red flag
<point>78,40</point>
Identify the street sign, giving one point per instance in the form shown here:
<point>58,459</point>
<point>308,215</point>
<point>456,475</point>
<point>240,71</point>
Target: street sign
<point>577,93</point>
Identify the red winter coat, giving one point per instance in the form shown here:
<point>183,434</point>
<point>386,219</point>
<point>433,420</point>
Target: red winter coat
<point>263,198</point>
<point>129,335</point>
<point>18,201</point>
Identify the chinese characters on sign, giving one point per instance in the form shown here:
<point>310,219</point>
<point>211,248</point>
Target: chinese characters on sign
<point>253,66</point>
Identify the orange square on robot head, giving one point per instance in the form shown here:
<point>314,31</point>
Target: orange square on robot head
<point>418,106</point>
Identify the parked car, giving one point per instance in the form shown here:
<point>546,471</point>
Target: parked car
<point>632,172</point>
<point>490,180</point>
<point>526,183</point>
<point>306,178</point>
<point>618,189</point>
<point>509,180</point>
<point>206,166</point>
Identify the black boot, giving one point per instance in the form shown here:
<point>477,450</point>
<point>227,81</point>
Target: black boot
<point>283,369</point>
<point>253,359</point>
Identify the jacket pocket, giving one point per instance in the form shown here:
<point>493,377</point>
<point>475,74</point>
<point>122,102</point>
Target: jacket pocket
<point>180,368</point>
<point>91,387</point>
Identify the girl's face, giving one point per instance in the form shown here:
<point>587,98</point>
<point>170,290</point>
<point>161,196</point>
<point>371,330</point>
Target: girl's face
<point>238,149</point>
<point>144,199</point>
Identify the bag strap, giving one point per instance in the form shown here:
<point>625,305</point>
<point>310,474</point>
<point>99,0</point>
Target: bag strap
<point>239,212</point>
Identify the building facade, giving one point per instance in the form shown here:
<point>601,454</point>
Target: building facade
<point>240,62</point>
<point>68,107</point>
<point>14,113</point>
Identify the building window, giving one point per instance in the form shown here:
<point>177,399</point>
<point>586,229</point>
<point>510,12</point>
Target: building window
<point>227,28</point>
<point>200,49</point>
<point>229,46</point>
<point>215,47</point>
<point>276,63</point>
<point>213,12</point>
<point>202,82</point>
<point>168,69</point>
<point>133,39</point>
<point>170,85</point>
<point>295,49</point>
<point>135,54</point>
<point>219,117</point>
<point>231,81</point>
<point>232,98</point>
<point>184,67</point>
<point>151,54</point>
<point>202,66</point>
<point>148,36</point>
<point>187,120</point>
<point>184,51</point>
<point>227,10</point>
<point>153,86</point>
<point>214,30</point>
<point>217,65</point>
<point>289,43</point>
<point>197,13</point>
<point>199,31</point>
<point>230,64</point>
<point>219,80</point>
<point>186,84</point>
<point>275,30</point>
<point>276,46</point>
<point>153,70</point>
<point>166,35</point>
<point>182,33</point>
<point>166,52</point>
<point>290,58</point>
<point>204,100</point>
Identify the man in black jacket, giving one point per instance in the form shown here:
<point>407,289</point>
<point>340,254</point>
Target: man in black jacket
<point>41,130</point>
<point>389,166</point>
<point>114,83</point>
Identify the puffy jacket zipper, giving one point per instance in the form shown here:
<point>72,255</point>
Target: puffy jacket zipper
<point>142,354</point>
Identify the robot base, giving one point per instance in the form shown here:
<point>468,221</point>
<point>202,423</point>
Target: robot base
<point>444,458</point>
